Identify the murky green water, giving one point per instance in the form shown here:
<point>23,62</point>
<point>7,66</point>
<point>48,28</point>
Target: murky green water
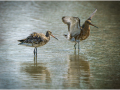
<point>58,66</point>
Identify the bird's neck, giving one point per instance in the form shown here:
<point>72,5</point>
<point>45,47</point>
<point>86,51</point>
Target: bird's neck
<point>47,35</point>
<point>86,27</point>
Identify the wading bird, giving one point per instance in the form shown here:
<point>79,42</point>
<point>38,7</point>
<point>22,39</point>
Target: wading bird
<point>77,33</point>
<point>36,40</point>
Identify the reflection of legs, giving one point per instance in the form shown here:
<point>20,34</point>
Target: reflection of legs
<point>74,52</point>
<point>35,60</point>
<point>78,46</point>
<point>35,56</point>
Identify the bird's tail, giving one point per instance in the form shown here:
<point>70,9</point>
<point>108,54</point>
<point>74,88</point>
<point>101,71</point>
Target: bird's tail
<point>20,43</point>
<point>22,40</point>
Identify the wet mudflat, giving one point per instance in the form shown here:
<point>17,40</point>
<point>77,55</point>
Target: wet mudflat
<point>58,66</point>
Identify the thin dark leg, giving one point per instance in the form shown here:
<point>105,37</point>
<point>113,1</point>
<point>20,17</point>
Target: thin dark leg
<point>34,51</point>
<point>75,45</point>
<point>78,47</point>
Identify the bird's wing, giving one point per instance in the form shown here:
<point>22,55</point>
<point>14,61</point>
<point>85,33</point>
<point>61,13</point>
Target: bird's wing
<point>91,16</point>
<point>34,38</point>
<point>75,29</point>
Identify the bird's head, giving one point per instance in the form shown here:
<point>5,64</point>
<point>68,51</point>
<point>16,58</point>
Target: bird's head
<point>50,33</point>
<point>88,22</point>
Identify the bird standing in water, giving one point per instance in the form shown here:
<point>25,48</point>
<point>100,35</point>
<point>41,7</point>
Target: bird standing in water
<point>36,40</point>
<point>77,33</point>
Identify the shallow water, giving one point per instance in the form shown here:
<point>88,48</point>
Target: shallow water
<point>58,66</point>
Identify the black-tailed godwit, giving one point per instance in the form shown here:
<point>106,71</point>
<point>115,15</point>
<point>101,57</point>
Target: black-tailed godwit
<point>36,40</point>
<point>77,33</point>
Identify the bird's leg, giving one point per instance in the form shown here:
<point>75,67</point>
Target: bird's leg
<point>34,51</point>
<point>75,45</point>
<point>78,45</point>
<point>36,56</point>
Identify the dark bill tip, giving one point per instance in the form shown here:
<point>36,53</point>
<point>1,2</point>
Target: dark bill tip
<point>96,26</point>
<point>54,37</point>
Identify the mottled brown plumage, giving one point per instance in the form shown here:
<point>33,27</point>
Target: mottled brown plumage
<point>36,40</point>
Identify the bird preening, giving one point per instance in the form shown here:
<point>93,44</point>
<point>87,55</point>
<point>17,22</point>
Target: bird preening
<point>76,33</point>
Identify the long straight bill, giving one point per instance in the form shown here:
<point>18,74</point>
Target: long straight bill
<point>93,25</point>
<point>54,37</point>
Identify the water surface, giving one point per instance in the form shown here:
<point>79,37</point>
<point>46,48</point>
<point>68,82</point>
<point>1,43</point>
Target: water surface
<point>58,66</point>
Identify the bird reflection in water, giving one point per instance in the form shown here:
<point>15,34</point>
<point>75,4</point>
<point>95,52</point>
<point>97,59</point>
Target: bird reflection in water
<point>78,72</point>
<point>35,60</point>
<point>37,71</point>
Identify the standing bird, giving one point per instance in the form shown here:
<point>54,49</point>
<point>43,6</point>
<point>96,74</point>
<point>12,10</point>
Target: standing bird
<point>77,33</point>
<point>36,40</point>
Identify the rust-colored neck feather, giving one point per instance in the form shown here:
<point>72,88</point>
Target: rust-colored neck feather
<point>47,34</point>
